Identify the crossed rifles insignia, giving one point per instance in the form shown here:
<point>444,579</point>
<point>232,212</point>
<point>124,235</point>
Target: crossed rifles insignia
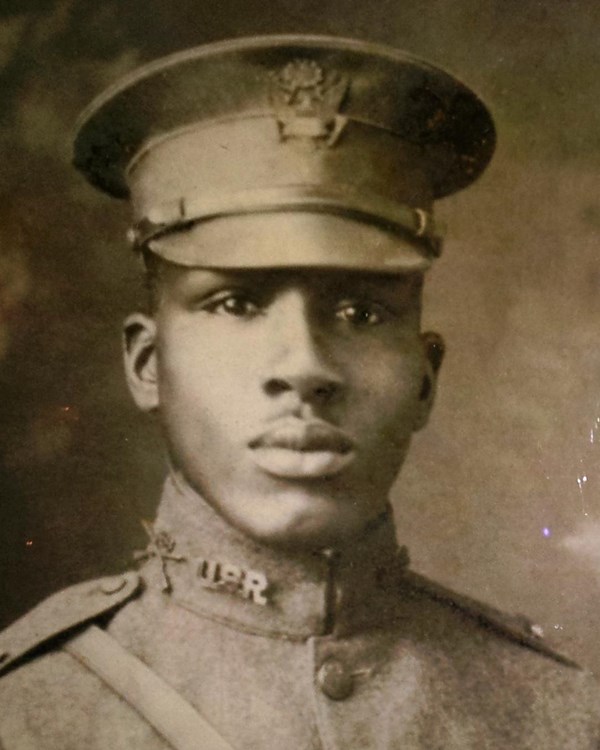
<point>211,574</point>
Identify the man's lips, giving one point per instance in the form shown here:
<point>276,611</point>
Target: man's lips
<point>302,435</point>
<point>298,449</point>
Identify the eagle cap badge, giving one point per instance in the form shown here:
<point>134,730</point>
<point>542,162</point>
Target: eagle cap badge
<point>306,100</point>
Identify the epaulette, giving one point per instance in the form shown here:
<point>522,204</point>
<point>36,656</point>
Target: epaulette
<point>516,627</point>
<point>64,611</point>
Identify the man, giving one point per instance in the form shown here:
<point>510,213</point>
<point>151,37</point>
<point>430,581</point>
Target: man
<point>282,191</point>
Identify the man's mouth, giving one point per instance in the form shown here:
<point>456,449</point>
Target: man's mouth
<point>298,449</point>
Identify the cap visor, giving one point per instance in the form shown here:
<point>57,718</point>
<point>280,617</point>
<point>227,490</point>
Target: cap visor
<point>291,239</point>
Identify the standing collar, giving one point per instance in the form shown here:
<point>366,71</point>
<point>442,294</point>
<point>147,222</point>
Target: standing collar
<point>210,568</point>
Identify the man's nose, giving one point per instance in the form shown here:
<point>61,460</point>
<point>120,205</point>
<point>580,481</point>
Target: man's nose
<point>301,361</point>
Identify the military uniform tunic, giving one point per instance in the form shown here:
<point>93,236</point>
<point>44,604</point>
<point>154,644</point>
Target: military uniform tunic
<point>313,651</point>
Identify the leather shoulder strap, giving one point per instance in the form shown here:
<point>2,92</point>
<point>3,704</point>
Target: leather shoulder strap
<point>64,611</point>
<point>164,709</point>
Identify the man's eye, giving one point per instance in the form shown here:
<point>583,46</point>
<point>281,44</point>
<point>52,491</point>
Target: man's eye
<point>237,305</point>
<point>361,313</point>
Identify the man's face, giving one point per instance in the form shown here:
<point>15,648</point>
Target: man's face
<point>288,397</point>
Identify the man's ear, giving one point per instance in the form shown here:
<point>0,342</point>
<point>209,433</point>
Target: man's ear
<point>434,350</point>
<point>139,355</point>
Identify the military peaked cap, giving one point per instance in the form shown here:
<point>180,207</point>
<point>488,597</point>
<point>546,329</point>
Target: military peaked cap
<point>287,137</point>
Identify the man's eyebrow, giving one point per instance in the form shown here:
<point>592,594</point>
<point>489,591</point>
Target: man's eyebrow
<point>376,283</point>
<point>321,282</point>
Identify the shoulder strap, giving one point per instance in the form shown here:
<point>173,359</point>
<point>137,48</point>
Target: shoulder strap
<point>515,627</point>
<point>64,611</point>
<point>165,710</point>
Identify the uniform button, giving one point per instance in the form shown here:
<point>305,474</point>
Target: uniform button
<point>112,585</point>
<point>335,680</point>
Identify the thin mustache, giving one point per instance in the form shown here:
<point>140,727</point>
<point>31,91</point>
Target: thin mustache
<point>303,435</point>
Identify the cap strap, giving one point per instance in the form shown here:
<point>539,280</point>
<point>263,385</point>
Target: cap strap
<point>344,200</point>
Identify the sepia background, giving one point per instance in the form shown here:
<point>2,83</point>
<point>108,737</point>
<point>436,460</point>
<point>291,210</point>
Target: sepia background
<point>500,497</point>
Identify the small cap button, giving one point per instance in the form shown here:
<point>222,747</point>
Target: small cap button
<point>112,585</point>
<point>335,680</point>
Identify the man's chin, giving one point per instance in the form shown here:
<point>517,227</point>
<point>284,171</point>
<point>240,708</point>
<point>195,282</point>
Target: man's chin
<point>301,520</point>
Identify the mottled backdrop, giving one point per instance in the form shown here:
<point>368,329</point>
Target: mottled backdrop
<point>501,495</point>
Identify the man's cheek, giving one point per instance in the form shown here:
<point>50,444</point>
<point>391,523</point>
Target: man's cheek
<point>387,391</point>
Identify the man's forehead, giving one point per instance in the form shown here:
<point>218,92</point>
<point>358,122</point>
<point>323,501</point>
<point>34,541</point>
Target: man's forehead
<point>292,275</point>
<point>268,280</point>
